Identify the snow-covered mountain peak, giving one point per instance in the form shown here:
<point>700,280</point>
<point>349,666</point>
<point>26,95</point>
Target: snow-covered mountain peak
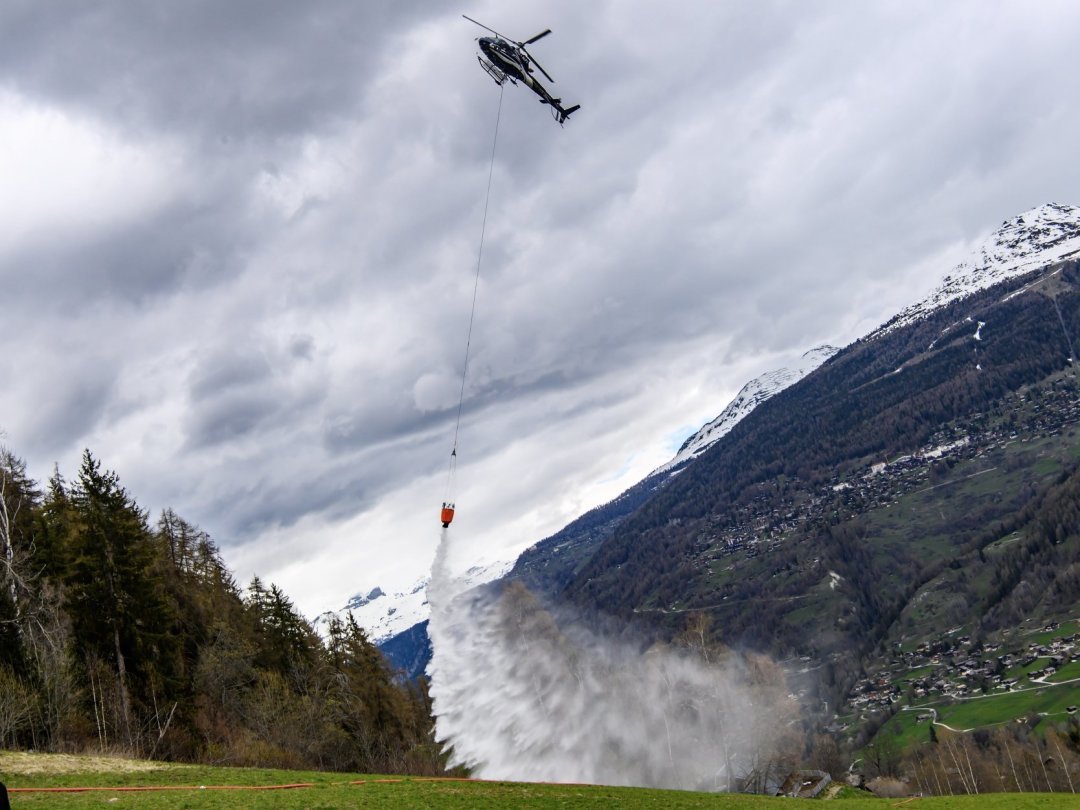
<point>360,600</point>
<point>1036,238</point>
<point>1026,238</point>
<point>383,614</point>
<point>752,394</point>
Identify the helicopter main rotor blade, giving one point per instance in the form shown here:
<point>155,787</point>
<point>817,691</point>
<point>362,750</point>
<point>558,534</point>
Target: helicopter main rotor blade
<point>538,65</point>
<point>541,35</point>
<point>492,30</point>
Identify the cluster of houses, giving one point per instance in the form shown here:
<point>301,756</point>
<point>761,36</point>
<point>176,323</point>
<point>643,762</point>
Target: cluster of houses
<point>961,668</point>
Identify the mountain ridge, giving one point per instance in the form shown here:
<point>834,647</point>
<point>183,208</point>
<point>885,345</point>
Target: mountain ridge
<point>824,523</point>
<point>925,338</point>
<point>1036,238</point>
<point>749,397</point>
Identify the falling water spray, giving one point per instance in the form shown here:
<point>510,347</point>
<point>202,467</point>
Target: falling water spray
<point>525,693</point>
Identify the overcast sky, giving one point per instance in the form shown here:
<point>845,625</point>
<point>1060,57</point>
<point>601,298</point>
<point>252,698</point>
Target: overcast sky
<point>238,242</point>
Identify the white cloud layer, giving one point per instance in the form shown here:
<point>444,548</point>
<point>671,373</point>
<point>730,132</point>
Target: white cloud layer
<point>239,246</point>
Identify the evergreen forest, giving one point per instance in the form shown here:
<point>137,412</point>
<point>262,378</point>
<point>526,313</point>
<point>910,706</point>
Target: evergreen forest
<point>124,636</point>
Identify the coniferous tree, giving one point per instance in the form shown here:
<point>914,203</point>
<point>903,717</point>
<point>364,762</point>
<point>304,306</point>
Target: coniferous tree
<point>286,642</point>
<point>121,621</point>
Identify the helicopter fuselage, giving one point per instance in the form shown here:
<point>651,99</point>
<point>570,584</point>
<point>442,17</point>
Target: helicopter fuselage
<point>508,59</point>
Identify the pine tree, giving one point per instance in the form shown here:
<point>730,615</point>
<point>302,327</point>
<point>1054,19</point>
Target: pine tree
<point>55,521</point>
<point>286,642</point>
<point>201,590</point>
<point>121,621</point>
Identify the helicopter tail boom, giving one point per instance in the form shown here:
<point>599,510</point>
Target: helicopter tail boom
<point>564,114</point>
<point>557,110</point>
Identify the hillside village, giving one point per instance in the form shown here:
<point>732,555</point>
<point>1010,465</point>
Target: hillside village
<point>958,667</point>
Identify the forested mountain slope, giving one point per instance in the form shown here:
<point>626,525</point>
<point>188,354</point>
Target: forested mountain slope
<point>811,527</point>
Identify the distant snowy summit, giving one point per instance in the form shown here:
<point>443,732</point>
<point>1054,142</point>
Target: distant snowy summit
<point>1039,237</point>
<point>1036,238</point>
<point>360,600</point>
<point>752,394</point>
<point>383,615</point>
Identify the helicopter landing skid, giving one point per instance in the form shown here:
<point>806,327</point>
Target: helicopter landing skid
<point>492,71</point>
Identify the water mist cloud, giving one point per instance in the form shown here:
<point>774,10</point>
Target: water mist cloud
<point>523,695</point>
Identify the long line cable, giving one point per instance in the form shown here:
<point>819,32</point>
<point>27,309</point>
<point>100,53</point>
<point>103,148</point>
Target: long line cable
<point>476,289</point>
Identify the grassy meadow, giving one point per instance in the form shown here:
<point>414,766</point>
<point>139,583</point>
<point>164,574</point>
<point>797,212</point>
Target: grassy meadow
<point>197,787</point>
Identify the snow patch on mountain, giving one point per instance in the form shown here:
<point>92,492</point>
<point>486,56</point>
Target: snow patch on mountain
<point>1036,238</point>
<point>752,394</point>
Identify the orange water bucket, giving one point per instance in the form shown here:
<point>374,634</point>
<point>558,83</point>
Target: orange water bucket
<point>447,514</point>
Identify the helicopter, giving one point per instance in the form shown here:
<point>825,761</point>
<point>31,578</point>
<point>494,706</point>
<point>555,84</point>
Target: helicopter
<point>507,59</point>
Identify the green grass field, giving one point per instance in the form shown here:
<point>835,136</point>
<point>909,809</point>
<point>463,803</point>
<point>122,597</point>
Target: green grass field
<point>993,710</point>
<point>1067,673</point>
<point>1042,636</point>
<point>1007,706</point>
<point>194,787</point>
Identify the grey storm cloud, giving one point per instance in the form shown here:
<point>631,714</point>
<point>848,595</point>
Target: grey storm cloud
<point>367,425</point>
<point>267,502</point>
<point>229,369</point>
<point>236,390</point>
<point>239,259</point>
<point>244,69</point>
<point>183,247</point>
<point>70,408</point>
<point>230,416</point>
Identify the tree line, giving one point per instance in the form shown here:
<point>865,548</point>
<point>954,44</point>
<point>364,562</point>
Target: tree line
<point>118,635</point>
<point>1014,758</point>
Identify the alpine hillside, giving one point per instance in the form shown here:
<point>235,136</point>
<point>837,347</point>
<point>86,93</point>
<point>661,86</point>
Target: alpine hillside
<point>921,483</point>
